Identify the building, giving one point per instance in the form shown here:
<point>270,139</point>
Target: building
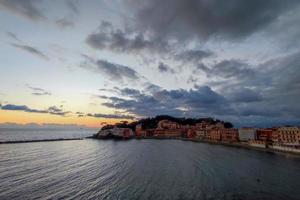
<point>288,135</point>
<point>118,133</point>
<point>229,134</point>
<point>167,124</point>
<point>190,133</point>
<point>200,133</point>
<point>215,134</point>
<point>264,134</point>
<point>139,132</point>
<point>168,133</point>
<point>275,136</point>
<point>246,134</point>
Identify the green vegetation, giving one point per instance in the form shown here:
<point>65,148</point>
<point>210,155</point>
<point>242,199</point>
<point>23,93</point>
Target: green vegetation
<point>150,123</point>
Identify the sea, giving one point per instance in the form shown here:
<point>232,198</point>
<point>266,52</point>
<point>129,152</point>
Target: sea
<point>140,169</point>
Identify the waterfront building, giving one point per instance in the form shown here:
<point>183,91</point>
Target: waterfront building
<point>168,133</point>
<point>200,133</point>
<point>275,136</point>
<point>219,125</point>
<point>229,134</point>
<point>288,135</point>
<point>167,124</point>
<point>246,134</point>
<point>139,132</point>
<point>215,134</point>
<point>190,133</point>
<point>264,134</point>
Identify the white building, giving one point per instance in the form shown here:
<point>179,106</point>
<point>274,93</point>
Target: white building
<point>246,134</point>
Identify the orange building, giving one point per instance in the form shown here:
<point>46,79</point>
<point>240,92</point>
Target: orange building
<point>215,134</point>
<point>229,134</point>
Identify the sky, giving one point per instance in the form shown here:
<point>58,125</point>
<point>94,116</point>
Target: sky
<point>97,62</point>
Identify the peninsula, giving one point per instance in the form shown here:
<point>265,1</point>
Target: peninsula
<point>284,139</point>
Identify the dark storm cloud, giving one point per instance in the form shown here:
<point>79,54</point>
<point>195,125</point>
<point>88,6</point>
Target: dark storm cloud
<point>108,37</point>
<point>111,116</point>
<point>111,70</point>
<point>39,91</point>
<point>244,95</point>
<point>232,19</point>
<point>270,89</point>
<point>64,23</point>
<point>30,49</point>
<point>259,111</point>
<point>24,8</point>
<point>51,110</point>
<point>202,101</point>
<point>162,67</point>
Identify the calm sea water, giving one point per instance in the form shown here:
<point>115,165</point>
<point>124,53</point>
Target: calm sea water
<point>24,134</point>
<point>144,169</point>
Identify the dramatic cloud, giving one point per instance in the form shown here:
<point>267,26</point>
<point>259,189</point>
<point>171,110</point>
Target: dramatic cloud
<point>270,89</point>
<point>237,60</point>
<point>31,50</point>
<point>107,37</point>
<point>111,70</point>
<point>64,23</point>
<point>232,19</point>
<point>200,102</point>
<point>165,68</point>
<point>24,8</point>
<point>51,110</point>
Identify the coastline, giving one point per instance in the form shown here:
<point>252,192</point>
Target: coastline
<point>232,144</point>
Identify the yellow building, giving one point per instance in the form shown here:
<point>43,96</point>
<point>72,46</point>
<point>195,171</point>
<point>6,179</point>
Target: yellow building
<point>288,135</point>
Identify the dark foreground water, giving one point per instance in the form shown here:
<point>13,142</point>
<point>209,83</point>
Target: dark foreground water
<point>144,169</point>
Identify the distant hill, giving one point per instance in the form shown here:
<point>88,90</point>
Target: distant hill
<point>150,123</point>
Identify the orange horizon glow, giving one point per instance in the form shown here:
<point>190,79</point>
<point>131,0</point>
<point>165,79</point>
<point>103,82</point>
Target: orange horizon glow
<point>20,117</point>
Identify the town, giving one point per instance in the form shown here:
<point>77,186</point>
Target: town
<point>285,139</point>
